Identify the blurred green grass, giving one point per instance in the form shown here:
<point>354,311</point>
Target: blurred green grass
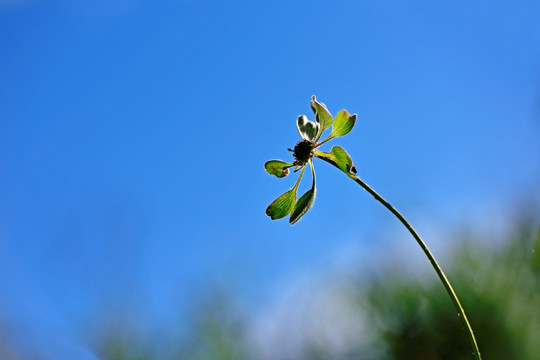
<point>407,317</point>
<point>499,285</point>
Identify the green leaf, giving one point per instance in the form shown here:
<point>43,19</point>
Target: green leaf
<point>343,123</point>
<point>303,205</point>
<point>307,129</point>
<point>339,157</point>
<point>345,162</point>
<point>283,205</point>
<point>322,115</point>
<point>277,167</point>
<point>305,202</point>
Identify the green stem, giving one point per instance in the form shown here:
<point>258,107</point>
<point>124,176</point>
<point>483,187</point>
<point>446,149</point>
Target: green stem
<point>429,255</point>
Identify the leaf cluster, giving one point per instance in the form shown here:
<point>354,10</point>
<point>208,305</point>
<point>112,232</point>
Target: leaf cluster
<point>311,132</point>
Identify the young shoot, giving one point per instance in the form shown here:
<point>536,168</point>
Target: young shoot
<point>303,153</point>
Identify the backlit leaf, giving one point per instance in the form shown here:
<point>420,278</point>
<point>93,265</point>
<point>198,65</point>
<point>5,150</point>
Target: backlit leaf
<point>322,115</point>
<point>304,203</point>
<point>344,161</point>
<point>307,129</point>
<point>283,205</point>
<point>277,167</point>
<point>339,157</point>
<point>343,124</point>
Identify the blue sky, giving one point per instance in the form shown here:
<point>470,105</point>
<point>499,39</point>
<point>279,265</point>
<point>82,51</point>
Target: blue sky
<point>133,137</point>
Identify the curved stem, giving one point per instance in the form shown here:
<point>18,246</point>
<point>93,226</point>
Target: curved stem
<point>438,270</point>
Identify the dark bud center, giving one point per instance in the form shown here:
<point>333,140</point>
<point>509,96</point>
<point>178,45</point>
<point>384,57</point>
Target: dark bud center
<point>303,151</point>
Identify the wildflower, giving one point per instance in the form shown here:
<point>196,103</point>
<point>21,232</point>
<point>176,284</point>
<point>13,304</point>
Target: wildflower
<point>303,153</point>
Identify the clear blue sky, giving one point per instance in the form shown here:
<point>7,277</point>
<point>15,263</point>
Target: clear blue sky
<point>133,136</point>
